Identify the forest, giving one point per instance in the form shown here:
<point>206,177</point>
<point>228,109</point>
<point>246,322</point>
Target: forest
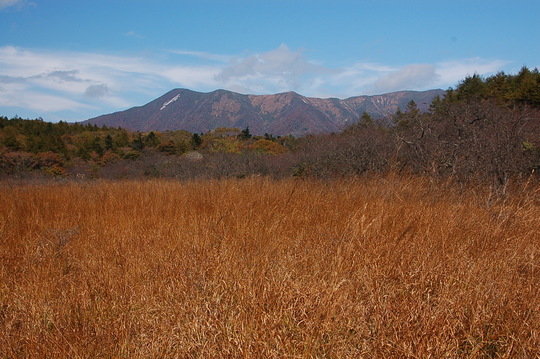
<point>484,129</point>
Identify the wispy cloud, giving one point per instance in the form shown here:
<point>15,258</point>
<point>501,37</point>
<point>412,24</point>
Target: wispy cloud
<point>369,78</point>
<point>8,3</point>
<point>135,35</point>
<point>96,91</point>
<point>202,55</point>
<point>88,84</point>
<point>4,4</point>
<point>69,76</point>
<point>451,72</point>
<point>279,69</point>
<point>412,76</point>
<point>92,79</point>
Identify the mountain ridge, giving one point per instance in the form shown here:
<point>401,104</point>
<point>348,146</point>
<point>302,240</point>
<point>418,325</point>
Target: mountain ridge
<point>286,113</point>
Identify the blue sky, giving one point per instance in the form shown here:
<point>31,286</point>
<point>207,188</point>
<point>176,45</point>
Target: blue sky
<point>76,59</point>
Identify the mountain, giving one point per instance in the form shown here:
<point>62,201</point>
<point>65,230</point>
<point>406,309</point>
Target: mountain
<point>280,114</point>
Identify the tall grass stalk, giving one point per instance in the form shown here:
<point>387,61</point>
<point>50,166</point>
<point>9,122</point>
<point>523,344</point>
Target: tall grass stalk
<point>385,267</point>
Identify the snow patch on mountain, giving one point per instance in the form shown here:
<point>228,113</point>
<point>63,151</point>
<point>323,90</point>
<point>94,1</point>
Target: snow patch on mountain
<point>169,102</point>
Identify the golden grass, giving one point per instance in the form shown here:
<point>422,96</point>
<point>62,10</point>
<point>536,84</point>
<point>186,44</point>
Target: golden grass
<point>258,268</point>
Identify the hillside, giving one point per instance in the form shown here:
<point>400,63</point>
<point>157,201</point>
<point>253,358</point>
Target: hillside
<point>281,114</point>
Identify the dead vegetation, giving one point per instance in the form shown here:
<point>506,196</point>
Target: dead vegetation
<point>386,267</point>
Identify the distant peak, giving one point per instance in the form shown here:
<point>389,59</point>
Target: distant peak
<point>286,113</point>
<point>290,93</point>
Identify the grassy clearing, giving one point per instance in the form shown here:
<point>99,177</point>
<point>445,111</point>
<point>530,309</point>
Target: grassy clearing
<point>374,268</point>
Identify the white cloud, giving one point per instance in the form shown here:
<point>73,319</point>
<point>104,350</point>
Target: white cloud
<point>451,72</point>
<point>40,101</point>
<point>191,76</point>
<point>68,76</point>
<point>202,55</point>
<point>406,78</point>
<point>96,91</point>
<point>355,79</point>
<point>369,78</point>
<point>8,3</point>
<point>281,69</point>
<point>135,35</point>
<point>83,77</point>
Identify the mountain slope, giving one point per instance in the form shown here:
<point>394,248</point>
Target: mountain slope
<point>279,114</point>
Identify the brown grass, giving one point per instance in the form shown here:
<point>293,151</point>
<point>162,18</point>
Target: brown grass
<point>257,268</point>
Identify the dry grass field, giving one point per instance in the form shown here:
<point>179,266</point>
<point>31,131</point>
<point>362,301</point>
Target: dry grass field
<point>386,267</point>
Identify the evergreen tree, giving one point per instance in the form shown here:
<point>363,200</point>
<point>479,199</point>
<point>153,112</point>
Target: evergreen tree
<point>121,139</point>
<point>83,153</point>
<point>196,140</point>
<point>366,120</point>
<point>138,143</point>
<point>412,109</point>
<point>245,134</point>
<point>10,138</point>
<point>96,146</point>
<point>151,140</point>
<point>435,105</point>
<point>109,143</point>
<point>473,87</point>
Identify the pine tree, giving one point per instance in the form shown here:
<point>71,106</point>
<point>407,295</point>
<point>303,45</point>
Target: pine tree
<point>366,119</point>
<point>109,144</point>
<point>196,140</point>
<point>138,143</point>
<point>245,134</point>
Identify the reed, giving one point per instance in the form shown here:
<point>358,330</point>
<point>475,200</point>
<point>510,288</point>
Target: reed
<point>386,267</point>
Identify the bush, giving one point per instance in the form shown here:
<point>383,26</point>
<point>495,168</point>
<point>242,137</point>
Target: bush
<point>267,146</point>
<point>17,162</point>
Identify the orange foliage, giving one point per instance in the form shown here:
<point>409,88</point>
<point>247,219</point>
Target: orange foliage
<point>267,146</point>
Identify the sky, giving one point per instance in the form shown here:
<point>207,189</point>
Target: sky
<point>71,60</point>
